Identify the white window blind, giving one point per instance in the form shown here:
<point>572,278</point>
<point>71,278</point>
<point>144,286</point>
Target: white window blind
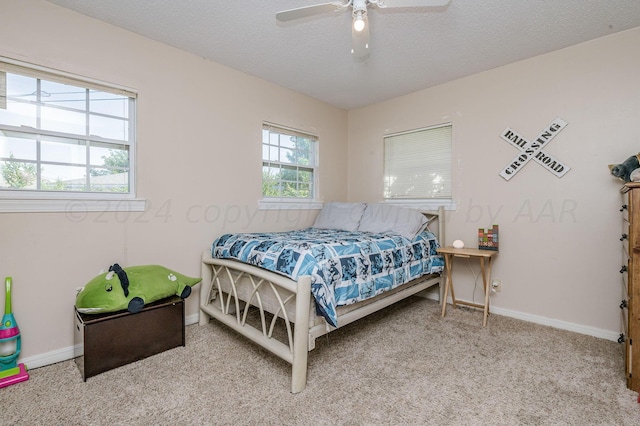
<point>3,90</point>
<point>37,72</point>
<point>417,164</point>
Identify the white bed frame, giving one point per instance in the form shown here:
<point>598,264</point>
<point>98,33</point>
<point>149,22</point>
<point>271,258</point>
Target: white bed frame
<point>230,288</point>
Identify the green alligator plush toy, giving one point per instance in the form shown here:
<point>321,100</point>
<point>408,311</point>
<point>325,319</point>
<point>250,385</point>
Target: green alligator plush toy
<point>130,288</point>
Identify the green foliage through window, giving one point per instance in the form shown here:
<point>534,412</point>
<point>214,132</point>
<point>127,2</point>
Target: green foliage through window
<point>288,163</point>
<point>18,174</point>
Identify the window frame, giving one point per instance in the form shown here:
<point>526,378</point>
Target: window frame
<point>298,203</point>
<point>38,200</point>
<point>425,203</point>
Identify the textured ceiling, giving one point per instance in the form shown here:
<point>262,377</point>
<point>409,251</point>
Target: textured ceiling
<point>411,49</point>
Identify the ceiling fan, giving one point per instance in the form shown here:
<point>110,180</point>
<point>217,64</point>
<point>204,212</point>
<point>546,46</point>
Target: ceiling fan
<point>360,27</point>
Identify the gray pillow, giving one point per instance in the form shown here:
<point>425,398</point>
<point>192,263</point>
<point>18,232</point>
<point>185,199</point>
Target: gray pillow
<point>344,216</point>
<point>386,218</point>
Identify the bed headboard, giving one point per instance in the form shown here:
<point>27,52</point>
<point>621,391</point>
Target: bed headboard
<point>436,216</point>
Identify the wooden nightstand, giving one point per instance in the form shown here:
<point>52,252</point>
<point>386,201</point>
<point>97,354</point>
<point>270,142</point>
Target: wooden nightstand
<point>485,257</point>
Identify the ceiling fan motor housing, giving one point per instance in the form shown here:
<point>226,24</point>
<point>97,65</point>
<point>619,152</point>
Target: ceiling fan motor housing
<point>359,7</point>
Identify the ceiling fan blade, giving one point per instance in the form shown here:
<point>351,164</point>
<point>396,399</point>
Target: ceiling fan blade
<point>303,12</point>
<point>360,42</point>
<point>413,3</point>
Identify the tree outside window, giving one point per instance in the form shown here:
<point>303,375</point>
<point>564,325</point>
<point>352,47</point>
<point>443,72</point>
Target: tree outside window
<point>288,163</point>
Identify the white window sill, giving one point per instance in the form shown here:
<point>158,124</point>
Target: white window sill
<point>280,204</point>
<point>70,205</point>
<point>424,205</point>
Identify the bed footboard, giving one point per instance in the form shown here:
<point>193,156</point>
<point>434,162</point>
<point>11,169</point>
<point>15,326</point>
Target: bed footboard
<point>220,299</point>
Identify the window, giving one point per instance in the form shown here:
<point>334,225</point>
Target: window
<point>289,164</point>
<point>417,164</point>
<point>64,137</point>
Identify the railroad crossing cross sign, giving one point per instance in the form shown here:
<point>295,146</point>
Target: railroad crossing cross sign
<point>533,150</point>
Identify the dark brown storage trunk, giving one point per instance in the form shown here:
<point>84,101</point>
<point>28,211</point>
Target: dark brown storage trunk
<point>115,339</point>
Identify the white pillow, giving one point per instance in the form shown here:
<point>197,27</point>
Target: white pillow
<point>345,216</point>
<point>385,218</point>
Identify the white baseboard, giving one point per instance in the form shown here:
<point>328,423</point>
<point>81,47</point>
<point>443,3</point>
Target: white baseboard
<point>563,325</point>
<point>536,319</point>
<point>71,352</point>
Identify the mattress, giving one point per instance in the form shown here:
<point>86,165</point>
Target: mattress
<point>345,267</point>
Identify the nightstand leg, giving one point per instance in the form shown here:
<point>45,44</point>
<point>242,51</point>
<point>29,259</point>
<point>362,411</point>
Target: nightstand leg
<point>450,275</point>
<point>486,274</point>
<point>448,261</point>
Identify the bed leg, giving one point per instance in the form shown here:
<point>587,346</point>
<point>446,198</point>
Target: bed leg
<point>300,336</point>
<point>312,343</point>
<point>203,319</point>
<point>441,238</point>
<point>205,287</point>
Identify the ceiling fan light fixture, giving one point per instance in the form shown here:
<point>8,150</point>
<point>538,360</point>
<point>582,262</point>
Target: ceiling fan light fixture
<point>358,22</point>
<point>360,25</point>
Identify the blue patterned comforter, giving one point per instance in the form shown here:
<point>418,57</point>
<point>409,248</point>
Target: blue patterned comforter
<point>345,266</point>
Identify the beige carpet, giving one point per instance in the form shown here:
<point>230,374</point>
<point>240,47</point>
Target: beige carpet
<point>404,365</point>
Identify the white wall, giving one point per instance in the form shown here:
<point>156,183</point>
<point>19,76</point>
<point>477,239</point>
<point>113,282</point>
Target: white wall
<point>199,164</point>
<point>559,249</point>
<point>199,169</point>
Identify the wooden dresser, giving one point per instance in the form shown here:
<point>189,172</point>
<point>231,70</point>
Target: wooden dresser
<point>630,271</point>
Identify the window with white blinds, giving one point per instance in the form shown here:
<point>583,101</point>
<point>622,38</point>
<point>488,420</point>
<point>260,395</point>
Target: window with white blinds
<point>417,164</point>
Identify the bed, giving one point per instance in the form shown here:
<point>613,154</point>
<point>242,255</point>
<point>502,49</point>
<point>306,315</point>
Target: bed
<point>284,290</point>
